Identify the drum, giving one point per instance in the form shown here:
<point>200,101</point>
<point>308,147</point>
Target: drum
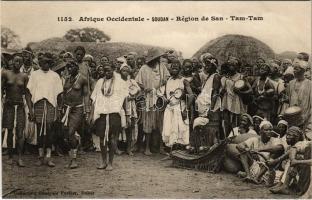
<point>293,115</point>
<point>240,85</point>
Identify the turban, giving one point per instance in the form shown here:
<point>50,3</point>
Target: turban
<point>122,59</point>
<point>300,63</point>
<point>286,61</point>
<point>283,122</point>
<point>265,122</point>
<point>68,55</point>
<point>200,121</point>
<point>124,65</point>
<point>294,130</point>
<point>289,70</point>
<point>133,53</point>
<point>88,56</point>
<point>248,117</point>
<point>257,117</point>
<point>206,56</point>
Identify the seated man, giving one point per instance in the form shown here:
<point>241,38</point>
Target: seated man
<point>266,145</point>
<point>295,177</point>
<point>244,126</point>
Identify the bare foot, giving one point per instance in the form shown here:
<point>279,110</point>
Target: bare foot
<point>10,161</point>
<point>20,163</point>
<point>118,152</point>
<point>50,163</point>
<point>147,152</point>
<point>281,190</point>
<point>73,164</point>
<point>40,162</point>
<point>102,166</point>
<point>109,167</point>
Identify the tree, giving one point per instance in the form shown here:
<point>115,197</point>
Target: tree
<point>9,39</point>
<point>86,35</point>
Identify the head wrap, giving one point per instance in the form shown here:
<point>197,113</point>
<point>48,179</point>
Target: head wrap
<point>133,53</point>
<point>205,56</point>
<point>88,56</point>
<point>286,61</point>
<point>125,65</point>
<point>122,59</point>
<point>68,55</point>
<point>283,122</point>
<point>248,117</point>
<point>296,131</point>
<point>27,50</point>
<point>257,117</point>
<point>265,122</point>
<point>172,52</point>
<point>300,63</point>
<point>289,70</point>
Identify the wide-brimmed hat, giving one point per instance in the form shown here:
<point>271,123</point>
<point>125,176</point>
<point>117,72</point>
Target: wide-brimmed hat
<point>153,54</point>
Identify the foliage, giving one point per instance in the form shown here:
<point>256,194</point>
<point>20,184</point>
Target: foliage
<point>86,35</point>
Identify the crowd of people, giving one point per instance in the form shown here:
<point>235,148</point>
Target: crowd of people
<point>158,103</point>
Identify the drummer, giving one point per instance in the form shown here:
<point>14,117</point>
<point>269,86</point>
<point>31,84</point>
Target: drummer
<point>232,103</point>
<point>175,131</point>
<point>264,91</point>
<point>266,144</point>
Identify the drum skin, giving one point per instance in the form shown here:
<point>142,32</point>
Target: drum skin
<point>243,137</point>
<point>231,166</point>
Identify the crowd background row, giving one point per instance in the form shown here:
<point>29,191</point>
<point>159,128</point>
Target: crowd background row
<point>180,103</point>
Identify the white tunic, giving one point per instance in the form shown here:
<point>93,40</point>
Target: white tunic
<point>175,129</point>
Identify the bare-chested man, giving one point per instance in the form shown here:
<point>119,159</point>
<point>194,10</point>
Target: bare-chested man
<point>14,86</point>
<point>76,106</point>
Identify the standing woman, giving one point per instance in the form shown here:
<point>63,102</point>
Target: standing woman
<point>187,69</point>
<point>232,103</point>
<point>14,85</point>
<point>263,89</point>
<point>176,120</point>
<point>45,86</point>
<point>209,105</point>
<point>107,101</point>
<point>131,109</point>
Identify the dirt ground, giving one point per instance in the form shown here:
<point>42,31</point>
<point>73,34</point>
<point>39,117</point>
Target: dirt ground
<point>133,177</point>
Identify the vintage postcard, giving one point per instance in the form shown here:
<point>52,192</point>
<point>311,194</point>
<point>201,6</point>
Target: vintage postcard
<point>156,99</point>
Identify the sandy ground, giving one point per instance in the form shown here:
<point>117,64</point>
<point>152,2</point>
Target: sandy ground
<point>133,177</point>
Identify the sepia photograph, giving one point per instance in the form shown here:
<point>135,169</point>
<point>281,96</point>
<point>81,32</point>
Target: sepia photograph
<point>156,100</point>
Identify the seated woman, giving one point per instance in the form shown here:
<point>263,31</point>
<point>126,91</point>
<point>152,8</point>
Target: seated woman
<point>266,145</point>
<point>295,178</point>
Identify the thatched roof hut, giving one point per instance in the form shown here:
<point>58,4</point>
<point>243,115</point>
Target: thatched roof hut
<point>97,50</point>
<point>248,49</point>
<point>287,55</point>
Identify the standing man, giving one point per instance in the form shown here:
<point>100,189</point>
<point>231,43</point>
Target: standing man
<point>28,65</point>
<point>13,84</point>
<point>299,92</point>
<point>76,105</point>
<point>44,86</point>
<point>151,77</point>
